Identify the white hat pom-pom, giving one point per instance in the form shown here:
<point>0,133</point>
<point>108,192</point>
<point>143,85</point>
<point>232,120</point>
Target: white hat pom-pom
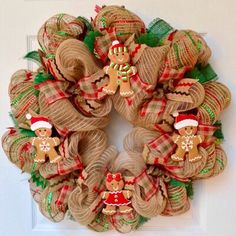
<point>115,42</point>
<point>28,116</point>
<point>175,114</point>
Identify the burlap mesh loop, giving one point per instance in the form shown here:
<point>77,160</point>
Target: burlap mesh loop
<point>125,21</point>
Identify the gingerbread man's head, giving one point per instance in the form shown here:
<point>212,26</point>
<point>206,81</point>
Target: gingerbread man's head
<point>114,182</point>
<point>118,53</point>
<point>186,124</point>
<point>40,125</point>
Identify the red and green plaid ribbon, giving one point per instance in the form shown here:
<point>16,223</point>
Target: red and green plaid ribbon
<point>163,146</point>
<point>148,184</point>
<point>64,194</point>
<point>171,73</point>
<point>91,88</point>
<point>53,90</point>
<point>145,181</point>
<point>155,105</point>
<point>102,43</point>
<point>139,85</point>
<point>207,131</point>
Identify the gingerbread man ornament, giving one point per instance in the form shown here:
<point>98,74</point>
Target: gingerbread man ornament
<point>120,71</point>
<point>44,143</point>
<point>116,196</point>
<point>187,141</point>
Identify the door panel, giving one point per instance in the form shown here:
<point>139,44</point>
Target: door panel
<point>213,210</point>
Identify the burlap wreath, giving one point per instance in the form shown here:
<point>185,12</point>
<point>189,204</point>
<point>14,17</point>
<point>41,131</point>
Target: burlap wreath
<point>67,88</point>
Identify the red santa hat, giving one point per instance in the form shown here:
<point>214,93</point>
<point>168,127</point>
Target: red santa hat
<point>184,120</point>
<point>38,122</point>
<point>117,47</point>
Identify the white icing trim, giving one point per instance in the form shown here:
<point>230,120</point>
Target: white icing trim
<point>109,91</point>
<point>33,141</point>
<point>116,204</point>
<point>195,158</point>
<point>103,195</point>
<point>56,159</point>
<point>40,124</point>
<point>185,123</point>
<point>126,211</point>
<point>174,157</point>
<point>126,93</point>
<point>54,141</point>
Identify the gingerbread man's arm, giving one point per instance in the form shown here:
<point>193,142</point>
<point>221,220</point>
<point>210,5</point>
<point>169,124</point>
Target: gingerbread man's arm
<point>133,70</point>
<point>198,139</point>
<point>104,194</point>
<point>127,194</point>
<point>34,141</point>
<point>176,138</point>
<point>106,69</point>
<point>56,141</point>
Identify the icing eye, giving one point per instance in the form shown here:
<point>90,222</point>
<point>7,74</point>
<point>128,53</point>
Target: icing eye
<point>123,54</point>
<point>191,127</point>
<point>186,128</point>
<point>44,130</point>
<point>117,54</point>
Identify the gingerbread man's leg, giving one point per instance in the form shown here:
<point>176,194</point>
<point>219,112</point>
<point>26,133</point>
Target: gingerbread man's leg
<point>109,210</point>
<point>194,155</point>
<point>125,89</point>
<point>113,84</point>
<point>125,209</point>
<point>178,155</point>
<point>40,156</point>
<point>53,156</point>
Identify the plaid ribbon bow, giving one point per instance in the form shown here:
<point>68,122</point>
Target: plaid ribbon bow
<point>53,90</point>
<point>103,43</point>
<point>138,85</point>
<point>64,194</point>
<point>158,150</point>
<point>155,105</point>
<point>91,87</point>
<point>171,73</point>
<point>207,131</point>
<point>145,181</point>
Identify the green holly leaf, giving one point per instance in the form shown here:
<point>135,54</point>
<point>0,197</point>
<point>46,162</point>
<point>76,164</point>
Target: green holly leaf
<point>33,56</point>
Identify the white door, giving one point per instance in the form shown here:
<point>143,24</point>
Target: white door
<point>213,210</point>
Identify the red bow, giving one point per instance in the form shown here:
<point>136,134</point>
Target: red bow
<point>116,177</point>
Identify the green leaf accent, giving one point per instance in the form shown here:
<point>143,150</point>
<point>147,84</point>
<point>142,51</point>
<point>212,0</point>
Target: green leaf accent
<point>177,183</point>
<point>141,221</point>
<point>90,38</point>
<point>219,133</point>
<point>202,74</point>
<point>27,132</point>
<point>188,186</point>
<point>189,189</point>
<point>34,56</point>
<point>39,180</point>
<point>149,39</point>
<point>13,119</point>
<point>42,77</point>
<point>86,22</point>
<point>63,33</point>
